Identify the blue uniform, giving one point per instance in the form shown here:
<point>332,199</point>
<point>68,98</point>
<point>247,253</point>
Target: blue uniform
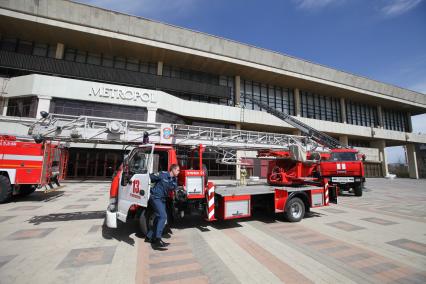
<point>164,184</point>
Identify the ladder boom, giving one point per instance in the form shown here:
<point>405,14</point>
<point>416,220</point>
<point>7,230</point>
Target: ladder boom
<point>311,132</point>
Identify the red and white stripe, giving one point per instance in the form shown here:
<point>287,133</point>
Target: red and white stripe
<point>326,199</point>
<point>210,201</point>
<point>22,157</point>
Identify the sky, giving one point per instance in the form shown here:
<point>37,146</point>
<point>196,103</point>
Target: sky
<point>384,40</point>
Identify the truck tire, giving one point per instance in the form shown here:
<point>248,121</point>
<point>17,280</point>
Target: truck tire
<point>358,190</point>
<point>27,190</point>
<point>5,189</point>
<point>295,210</point>
<point>145,221</point>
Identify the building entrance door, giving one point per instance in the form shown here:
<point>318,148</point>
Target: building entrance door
<point>93,163</point>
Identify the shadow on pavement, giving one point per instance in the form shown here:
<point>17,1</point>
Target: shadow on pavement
<point>60,217</point>
<point>38,196</point>
<point>122,233</point>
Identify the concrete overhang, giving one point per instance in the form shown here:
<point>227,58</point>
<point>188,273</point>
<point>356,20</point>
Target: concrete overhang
<point>94,29</point>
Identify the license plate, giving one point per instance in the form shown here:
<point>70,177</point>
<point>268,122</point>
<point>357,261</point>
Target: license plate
<point>342,179</point>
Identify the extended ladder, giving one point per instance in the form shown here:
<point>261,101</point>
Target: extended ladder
<point>88,129</point>
<point>311,132</point>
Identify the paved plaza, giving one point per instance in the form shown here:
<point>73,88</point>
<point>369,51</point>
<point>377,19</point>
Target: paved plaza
<point>59,237</point>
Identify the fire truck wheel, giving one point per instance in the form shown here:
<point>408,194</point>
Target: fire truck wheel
<point>27,190</point>
<point>358,190</point>
<point>146,220</point>
<point>295,210</point>
<point>5,189</point>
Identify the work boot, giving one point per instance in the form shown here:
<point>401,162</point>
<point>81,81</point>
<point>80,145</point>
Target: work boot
<point>159,243</point>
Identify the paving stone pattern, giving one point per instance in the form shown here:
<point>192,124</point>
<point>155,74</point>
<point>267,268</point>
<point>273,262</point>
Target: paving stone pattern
<point>59,237</point>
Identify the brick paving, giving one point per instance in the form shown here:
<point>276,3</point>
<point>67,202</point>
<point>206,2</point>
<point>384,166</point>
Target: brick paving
<point>59,237</point>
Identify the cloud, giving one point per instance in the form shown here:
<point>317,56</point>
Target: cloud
<point>155,9</point>
<point>314,4</point>
<point>398,7</point>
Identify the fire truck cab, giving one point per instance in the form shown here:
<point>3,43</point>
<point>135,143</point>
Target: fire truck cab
<point>130,189</point>
<point>345,169</point>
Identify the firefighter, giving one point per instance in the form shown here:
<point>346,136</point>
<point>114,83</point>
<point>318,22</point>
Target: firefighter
<point>243,175</point>
<point>164,183</point>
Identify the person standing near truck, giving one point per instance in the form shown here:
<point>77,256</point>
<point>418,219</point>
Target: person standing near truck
<point>164,183</point>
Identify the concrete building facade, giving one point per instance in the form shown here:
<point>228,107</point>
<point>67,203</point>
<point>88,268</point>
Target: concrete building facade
<point>70,58</point>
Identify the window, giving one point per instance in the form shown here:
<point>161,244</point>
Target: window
<point>40,49</point>
<point>343,156</point>
<point>395,120</point>
<point>227,81</point>
<point>119,62</point>
<point>107,61</point>
<point>359,143</point>
<point>81,56</point>
<point>71,107</point>
<point>22,107</point>
<point>25,47</point>
<point>51,53</point>
<point>70,54</point>
<point>282,99</point>
<point>9,44</point>
<point>320,107</point>
<point>94,58</point>
<point>192,75</point>
<point>361,114</point>
<point>132,64</point>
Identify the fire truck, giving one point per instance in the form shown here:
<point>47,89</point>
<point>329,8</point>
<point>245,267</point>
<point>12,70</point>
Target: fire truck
<point>155,146</point>
<point>26,166</point>
<point>340,164</point>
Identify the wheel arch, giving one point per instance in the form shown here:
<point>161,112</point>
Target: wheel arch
<point>303,196</point>
<point>10,174</point>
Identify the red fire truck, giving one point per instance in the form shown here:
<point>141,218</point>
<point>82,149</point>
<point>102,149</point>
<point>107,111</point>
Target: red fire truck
<point>26,166</point>
<point>184,145</point>
<point>341,164</point>
<point>130,191</point>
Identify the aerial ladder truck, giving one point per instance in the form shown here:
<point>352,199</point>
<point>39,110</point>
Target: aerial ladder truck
<point>340,164</point>
<point>155,146</point>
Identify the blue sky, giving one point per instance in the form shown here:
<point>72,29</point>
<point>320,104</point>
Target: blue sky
<point>383,40</point>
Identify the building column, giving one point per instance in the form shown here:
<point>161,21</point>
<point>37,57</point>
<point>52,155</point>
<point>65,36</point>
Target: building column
<point>297,104</point>
<point>344,139</point>
<point>237,90</point>
<point>343,110</point>
<point>409,122</point>
<point>160,68</point>
<point>380,116</point>
<point>60,50</point>
<point>43,105</point>
<point>4,106</point>
<point>413,170</point>
<point>152,114</point>
<point>381,145</point>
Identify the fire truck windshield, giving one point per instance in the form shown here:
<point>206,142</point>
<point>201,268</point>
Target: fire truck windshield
<point>343,156</point>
